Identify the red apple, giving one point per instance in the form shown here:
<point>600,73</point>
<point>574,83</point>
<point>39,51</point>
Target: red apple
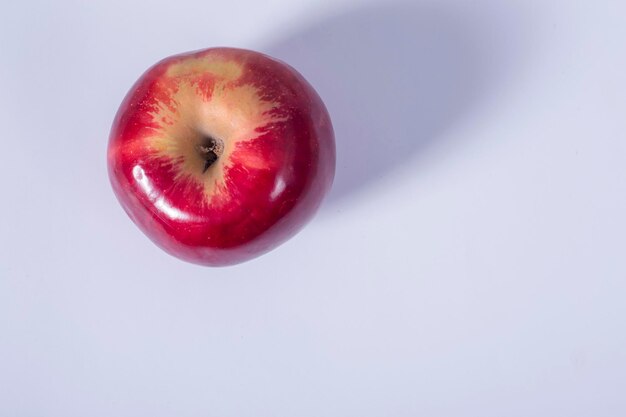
<point>221,155</point>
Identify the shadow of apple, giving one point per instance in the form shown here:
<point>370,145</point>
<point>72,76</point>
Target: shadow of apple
<point>394,78</point>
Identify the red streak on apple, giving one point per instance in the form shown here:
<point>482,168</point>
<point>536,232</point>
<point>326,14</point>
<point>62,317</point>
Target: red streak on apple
<point>221,155</point>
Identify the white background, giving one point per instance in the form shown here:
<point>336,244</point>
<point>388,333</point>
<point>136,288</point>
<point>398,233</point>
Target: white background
<point>468,262</point>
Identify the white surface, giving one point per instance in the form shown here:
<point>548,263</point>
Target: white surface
<point>469,262</point>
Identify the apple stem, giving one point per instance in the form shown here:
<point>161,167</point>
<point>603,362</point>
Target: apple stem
<point>210,150</point>
<point>209,161</point>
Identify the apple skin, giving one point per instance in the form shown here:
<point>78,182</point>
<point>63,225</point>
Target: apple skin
<point>274,159</point>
